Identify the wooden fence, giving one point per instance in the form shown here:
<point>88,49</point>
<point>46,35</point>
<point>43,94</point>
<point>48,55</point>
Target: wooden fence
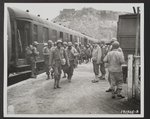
<point>133,77</point>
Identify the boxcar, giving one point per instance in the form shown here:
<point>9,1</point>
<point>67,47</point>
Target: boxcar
<point>126,33</point>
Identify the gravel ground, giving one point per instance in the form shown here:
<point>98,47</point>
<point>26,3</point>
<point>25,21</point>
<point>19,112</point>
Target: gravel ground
<point>37,96</point>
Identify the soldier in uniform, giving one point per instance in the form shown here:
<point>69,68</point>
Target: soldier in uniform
<point>77,57</point>
<point>115,59</point>
<point>102,64</point>
<point>71,53</point>
<point>58,58</point>
<point>33,58</point>
<point>65,46</point>
<point>47,54</point>
<point>110,48</point>
<point>96,59</point>
<point>88,53</point>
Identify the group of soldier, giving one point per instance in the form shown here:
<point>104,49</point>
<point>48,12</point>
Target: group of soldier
<point>109,57</point>
<point>58,57</point>
<point>63,56</point>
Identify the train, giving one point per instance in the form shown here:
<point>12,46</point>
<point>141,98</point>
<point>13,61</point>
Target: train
<point>126,33</point>
<point>127,37</point>
<point>23,28</point>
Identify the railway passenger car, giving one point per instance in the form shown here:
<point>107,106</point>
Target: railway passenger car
<point>23,28</point>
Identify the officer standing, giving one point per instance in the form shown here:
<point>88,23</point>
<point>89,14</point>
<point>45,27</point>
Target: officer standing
<point>71,53</point>
<point>47,54</point>
<point>96,59</point>
<point>58,58</point>
<point>102,64</point>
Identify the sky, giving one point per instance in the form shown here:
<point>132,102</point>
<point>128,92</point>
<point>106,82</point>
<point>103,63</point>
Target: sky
<point>51,10</point>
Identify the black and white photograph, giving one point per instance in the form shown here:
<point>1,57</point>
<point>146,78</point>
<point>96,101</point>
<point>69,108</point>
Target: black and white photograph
<point>73,60</point>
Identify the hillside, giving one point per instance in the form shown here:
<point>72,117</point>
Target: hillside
<point>100,24</point>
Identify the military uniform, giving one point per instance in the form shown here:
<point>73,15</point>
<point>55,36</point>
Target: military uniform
<point>47,54</point>
<point>32,58</point>
<point>96,58</point>
<point>115,58</point>
<point>71,53</point>
<point>58,55</point>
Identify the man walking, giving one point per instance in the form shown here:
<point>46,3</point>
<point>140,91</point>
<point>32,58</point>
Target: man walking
<point>65,45</point>
<point>115,59</point>
<point>71,53</point>
<point>58,58</point>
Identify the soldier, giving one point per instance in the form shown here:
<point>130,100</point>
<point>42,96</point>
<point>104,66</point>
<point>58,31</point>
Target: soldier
<point>58,58</point>
<point>102,64</point>
<point>77,57</point>
<point>71,53</point>
<point>96,58</point>
<point>80,56</point>
<point>110,48</point>
<point>115,59</point>
<point>33,58</point>
<point>88,53</point>
<point>65,46</point>
<point>47,54</point>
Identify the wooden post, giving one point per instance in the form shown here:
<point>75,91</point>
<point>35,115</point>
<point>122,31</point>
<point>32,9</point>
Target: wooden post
<point>130,76</point>
<point>136,77</point>
<point>137,32</point>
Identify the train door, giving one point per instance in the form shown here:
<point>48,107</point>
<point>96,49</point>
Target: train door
<point>23,40</point>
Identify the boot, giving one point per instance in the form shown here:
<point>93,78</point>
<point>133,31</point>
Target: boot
<point>55,83</point>
<point>102,77</point>
<point>64,76</point>
<point>113,94</point>
<point>118,92</point>
<point>58,83</point>
<point>109,90</point>
<point>48,77</point>
<point>96,79</point>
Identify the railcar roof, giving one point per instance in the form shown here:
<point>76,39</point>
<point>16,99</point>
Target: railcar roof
<point>20,14</point>
<point>127,15</point>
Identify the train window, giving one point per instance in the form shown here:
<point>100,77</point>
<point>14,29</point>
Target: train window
<point>45,35</point>
<point>71,39</point>
<point>61,34</point>
<point>75,37</point>
<point>54,34</point>
<point>35,33</point>
<point>67,36</point>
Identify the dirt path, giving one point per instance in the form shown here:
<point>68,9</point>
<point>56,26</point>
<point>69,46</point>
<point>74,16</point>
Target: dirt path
<point>37,96</point>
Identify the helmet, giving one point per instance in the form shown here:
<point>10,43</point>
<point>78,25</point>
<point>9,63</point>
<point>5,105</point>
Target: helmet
<point>50,42</point>
<point>113,39</point>
<point>35,43</point>
<point>59,41</point>
<point>115,45</point>
<point>69,44</point>
<point>64,43</point>
<point>45,44</point>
